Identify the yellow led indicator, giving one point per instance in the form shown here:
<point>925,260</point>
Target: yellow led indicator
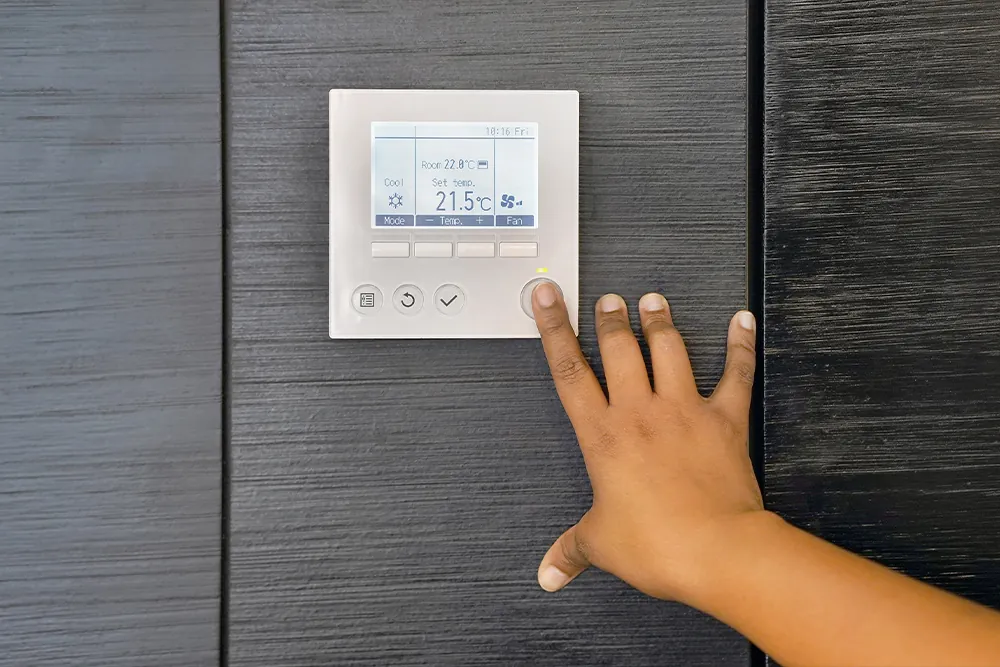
<point>541,270</point>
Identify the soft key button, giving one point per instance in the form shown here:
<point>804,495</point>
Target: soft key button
<point>432,249</point>
<point>391,249</point>
<point>476,249</point>
<point>519,250</point>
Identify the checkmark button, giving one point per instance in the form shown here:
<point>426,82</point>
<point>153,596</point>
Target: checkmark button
<point>449,299</point>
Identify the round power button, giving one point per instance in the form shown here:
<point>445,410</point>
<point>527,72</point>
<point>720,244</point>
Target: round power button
<point>529,289</point>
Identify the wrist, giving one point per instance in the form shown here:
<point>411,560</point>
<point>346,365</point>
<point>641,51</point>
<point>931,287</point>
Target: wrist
<point>728,546</point>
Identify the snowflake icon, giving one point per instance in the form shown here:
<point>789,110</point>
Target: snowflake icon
<point>395,200</point>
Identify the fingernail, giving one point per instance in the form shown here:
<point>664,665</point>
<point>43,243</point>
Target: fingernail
<point>552,579</point>
<point>652,303</point>
<point>746,320</point>
<point>611,303</point>
<point>546,295</point>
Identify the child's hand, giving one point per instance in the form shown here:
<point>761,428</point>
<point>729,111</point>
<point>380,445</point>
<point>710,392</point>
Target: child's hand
<point>670,470</point>
<point>677,512</point>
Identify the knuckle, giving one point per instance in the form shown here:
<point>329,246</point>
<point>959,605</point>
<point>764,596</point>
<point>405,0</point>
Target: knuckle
<point>731,430</point>
<point>617,336</point>
<point>552,326</point>
<point>612,324</point>
<point>657,323</point>
<point>570,368</point>
<point>602,441</point>
<point>645,430</point>
<point>744,372</point>
<point>664,334</point>
<point>681,415</point>
<point>642,426</point>
<point>742,360</point>
<point>745,345</point>
<point>685,422</point>
<point>582,545</point>
<point>571,550</point>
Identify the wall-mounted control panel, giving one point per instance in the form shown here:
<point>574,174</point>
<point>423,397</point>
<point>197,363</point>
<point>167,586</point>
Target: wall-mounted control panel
<point>447,207</point>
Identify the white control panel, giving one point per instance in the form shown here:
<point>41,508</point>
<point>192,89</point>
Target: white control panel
<point>447,207</point>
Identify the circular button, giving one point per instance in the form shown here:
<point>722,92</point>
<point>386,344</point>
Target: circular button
<point>408,299</point>
<point>449,299</point>
<point>367,299</point>
<point>529,289</point>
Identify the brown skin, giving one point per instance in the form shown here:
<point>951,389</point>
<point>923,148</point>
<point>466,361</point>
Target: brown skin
<point>677,512</point>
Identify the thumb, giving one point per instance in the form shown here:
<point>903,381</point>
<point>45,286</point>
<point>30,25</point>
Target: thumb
<point>564,561</point>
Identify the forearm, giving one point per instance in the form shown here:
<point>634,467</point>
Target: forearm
<point>807,602</point>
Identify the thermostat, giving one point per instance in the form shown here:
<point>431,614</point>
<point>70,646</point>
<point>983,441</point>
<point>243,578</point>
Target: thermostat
<point>447,208</point>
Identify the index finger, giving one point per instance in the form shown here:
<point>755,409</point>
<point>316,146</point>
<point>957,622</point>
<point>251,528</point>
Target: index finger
<point>576,384</point>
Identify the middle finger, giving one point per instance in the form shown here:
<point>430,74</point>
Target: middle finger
<point>624,367</point>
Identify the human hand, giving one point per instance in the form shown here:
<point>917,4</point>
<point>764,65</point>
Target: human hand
<point>670,470</point>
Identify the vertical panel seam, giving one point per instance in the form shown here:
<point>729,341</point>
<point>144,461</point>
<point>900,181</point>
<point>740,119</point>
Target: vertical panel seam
<point>755,236</point>
<point>226,331</point>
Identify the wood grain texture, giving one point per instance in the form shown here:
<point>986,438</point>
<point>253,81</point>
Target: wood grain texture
<point>110,333</point>
<point>391,500</point>
<point>882,274</point>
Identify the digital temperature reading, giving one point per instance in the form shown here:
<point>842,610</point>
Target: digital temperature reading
<point>454,175</point>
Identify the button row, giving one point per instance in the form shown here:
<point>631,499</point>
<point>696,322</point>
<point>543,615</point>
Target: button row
<point>397,220</point>
<point>409,299</point>
<point>442,249</point>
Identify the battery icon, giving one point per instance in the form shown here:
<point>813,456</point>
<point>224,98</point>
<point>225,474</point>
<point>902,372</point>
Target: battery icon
<point>483,164</point>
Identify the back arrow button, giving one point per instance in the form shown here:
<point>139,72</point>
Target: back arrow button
<point>408,299</point>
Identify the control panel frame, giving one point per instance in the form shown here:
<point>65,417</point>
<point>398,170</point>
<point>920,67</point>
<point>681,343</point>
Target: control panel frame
<point>480,294</point>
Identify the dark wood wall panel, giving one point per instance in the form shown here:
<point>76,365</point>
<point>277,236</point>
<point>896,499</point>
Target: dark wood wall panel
<point>391,500</point>
<point>883,281</point>
<point>110,333</point>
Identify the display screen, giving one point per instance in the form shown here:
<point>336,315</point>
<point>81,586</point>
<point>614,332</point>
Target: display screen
<point>438,175</point>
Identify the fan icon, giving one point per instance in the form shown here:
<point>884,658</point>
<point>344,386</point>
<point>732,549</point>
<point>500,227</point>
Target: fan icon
<point>395,200</point>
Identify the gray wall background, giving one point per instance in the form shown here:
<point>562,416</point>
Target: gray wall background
<point>391,500</point>
<point>110,333</point>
